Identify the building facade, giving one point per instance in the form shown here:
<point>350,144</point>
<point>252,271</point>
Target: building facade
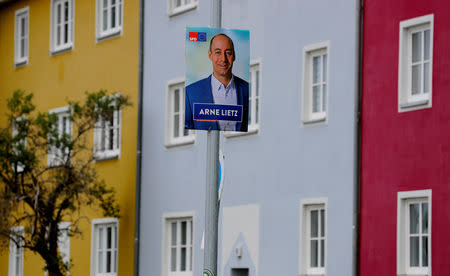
<point>287,206</point>
<point>405,139</point>
<point>58,49</point>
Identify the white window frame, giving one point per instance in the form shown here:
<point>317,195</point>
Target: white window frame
<point>54,155</point>
<point>178,217</point>
<point>56,48</point>
<point>16,254</point>
<point>103,223</point>
<point>185,5</point>
<point>403,201</point>
<point>309,52</point>
<point>102,135</point>
<point>171,140</point>
<point>407,101</point>
<point>102,34</point>
<point>306,206</point>
<point>254,101</point>
<point>22,14</point>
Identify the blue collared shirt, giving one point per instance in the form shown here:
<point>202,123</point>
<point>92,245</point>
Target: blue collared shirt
<point>224,95</point>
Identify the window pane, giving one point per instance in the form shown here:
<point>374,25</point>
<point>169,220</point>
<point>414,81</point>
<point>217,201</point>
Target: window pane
<point>177,3</point>
<point>415,79</point>
<point>113,17</point>
<point>183,232</point>
<point>425,218</point>
<point>176,122</point>
<point>185,132</point>
<point>22,26</point>
<point>426,77</point>
<point>58,14</point>
<point>173,259</point>
<point>174,233</point>
<point>316,69</point>
<point>105,3</point>
<point>314,254</point>
<point>316,98</point>
<point>416,47</point>
<point>108,261</point>
<point>414,218</point>
<point>176,95</point>
<point>414,251</point>
<point>108,238</point>
<point>427,45</point>
<point>324,73</point>
<point>257,83</point>
<point>100,238</point>
<point>22,48</point>
<point>100,262</point>
<point>66,11</point>
<point>105,20</point>
<point>183,259</point>
<point>322,253</point>
<point>324,97</point>
<point>257,110</point>
<point>424,251</point>
<point>115,262</point>
<point>58,35</point>
<point>66,33</point>
<point>322,223</point>
<point>314,224</point>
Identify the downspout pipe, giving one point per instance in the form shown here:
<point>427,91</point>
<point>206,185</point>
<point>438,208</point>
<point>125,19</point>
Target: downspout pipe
<point>358,99</point>
<point>137,212</point>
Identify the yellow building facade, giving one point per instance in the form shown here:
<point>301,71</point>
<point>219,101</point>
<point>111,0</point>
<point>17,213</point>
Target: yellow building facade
<point>58,49</point>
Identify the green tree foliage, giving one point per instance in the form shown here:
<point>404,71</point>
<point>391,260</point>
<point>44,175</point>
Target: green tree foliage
<point>39,196</point>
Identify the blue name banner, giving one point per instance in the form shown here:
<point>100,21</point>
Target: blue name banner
<point>215,112</point>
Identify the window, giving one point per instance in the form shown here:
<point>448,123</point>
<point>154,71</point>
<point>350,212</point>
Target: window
<point>179,6</point>
<point>19,124</point>
<point>21,38</point>
<point>61,25</point>
<point>179,249</point>
<point>313,241</point>
<point>315,83</point>
<point>58,153</point>
<point>176,134</point>
<point>16,252</point>
<point>414,233</point>
<point>254,97</point>
<point>415,63</point>
<point>104,252</point>
<point>64,242</point>
<point>107,135</point>
<point>109,18</point>
<point>254,102</point>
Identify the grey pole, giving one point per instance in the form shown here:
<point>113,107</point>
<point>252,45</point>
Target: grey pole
<point>212,178</point>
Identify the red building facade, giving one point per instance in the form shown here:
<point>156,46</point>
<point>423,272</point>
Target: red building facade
<point>405,153</point>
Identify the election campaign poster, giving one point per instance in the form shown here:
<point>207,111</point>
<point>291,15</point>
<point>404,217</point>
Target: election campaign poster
<point>217,79</point>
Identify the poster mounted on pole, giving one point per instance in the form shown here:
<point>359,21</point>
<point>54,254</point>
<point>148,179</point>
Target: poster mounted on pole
<point>217,79</point>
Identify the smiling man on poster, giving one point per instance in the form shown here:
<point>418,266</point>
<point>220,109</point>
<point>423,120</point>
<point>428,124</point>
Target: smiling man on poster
<point>226,94</point>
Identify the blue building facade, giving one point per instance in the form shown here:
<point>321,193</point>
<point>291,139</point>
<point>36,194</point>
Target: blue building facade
<point>288,201</point>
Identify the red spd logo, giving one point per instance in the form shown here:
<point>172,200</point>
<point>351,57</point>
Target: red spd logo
<point>193,36</point>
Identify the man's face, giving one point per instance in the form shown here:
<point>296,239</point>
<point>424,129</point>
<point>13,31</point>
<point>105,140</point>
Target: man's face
<point>222,56</point>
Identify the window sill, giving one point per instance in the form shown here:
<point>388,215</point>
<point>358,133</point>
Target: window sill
<point>181,142</point>
<point>414,104</point>
<point>101,156</point>
<point>183,9</point>
<point>61,50</point>
<point>232,134</point>
<point>109,35</point>
<point>22,63</point>
<point>314,121</point>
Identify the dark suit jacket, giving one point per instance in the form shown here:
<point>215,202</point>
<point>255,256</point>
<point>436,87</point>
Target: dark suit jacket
<point>201,92</point>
